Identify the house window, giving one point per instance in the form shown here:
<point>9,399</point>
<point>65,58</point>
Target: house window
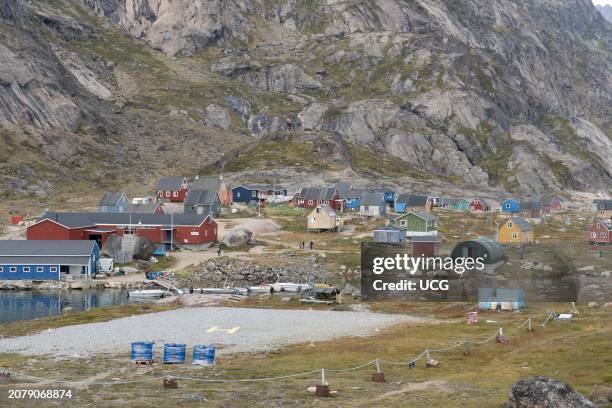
<point>593,235</point>
<point>598,226</point>
<point>1,268</point>
<point>602,235</point>
<point>509,225</point>
<point>40,269</point>
<point>238,194</point>
<point>167,194</point>
<point>366,208</point>
<point>53,269</point>
<point>13,269</point>
<point>310,202</point>
<point>403,223</point>
<point>26,269</point>
<point>175,193</point>
<point>507,205</point>
<point>514,235</point>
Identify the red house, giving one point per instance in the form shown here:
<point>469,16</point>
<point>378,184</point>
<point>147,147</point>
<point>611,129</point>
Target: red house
<point>312,197</point>
<point>600,232</point>
<point>172,188</point>
<point>168,229</point>
<point>551,205</point>
<point>479,204</point>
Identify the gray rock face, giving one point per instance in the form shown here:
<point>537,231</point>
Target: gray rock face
<point>218,116</point>
<point>179,26</point>
<point>545,392</point>
<point>237,238</point>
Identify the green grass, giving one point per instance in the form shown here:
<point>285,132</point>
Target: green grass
<point>575,352</point>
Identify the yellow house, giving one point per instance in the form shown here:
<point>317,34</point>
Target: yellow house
<point>515,230</point>
<point>324,218</point>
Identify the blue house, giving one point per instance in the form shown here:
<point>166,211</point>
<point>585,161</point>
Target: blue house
<point>112,202</point>
<point>353,199</point>
<point>47,260</point>
<point>389,194</point>
<point>246,193</point>
<point>510,206</point>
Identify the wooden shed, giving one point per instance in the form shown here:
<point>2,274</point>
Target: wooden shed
<point>323,218</point>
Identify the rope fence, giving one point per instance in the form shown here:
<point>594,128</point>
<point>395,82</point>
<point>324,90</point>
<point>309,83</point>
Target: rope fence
<point>377,362</point>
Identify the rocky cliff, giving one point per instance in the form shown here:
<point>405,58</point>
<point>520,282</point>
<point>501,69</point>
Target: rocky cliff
<point>511,95</point>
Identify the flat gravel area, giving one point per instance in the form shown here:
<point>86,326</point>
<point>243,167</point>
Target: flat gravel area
<point>258,330</point>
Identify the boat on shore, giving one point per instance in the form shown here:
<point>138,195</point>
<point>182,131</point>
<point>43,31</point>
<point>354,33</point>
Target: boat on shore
<point>146,294</point>
<point>290,287</point>
<point>259,289</point>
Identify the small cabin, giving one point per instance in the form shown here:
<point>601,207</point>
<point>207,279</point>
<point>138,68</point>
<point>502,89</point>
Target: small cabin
<point>509,206</point>
<point>515,230</point>
<point>479,204</point>
<point>172,188</point>
<point>600,232</point>
<point>372,205</point>
<point>417,223</point>
<point>412,203</point>
<point>202,202</point>
<point>323,218</point>
<point>112,202</point>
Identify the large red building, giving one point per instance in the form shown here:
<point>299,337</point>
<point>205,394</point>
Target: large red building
<point>312,197</point>
<point>167,229</point>
<point>600,232</point>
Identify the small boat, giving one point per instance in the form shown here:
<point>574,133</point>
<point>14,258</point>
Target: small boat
<point>146,294</point>
<point>260,289</point>
<point>215,291</point>
<point>290,287</point>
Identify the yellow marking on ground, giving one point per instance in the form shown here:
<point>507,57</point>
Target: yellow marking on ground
<point>228,331</point>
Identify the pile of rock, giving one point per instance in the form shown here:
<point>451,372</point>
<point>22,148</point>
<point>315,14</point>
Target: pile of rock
<point>221,270</point>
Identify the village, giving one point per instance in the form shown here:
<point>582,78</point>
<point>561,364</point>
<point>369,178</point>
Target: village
<point>206,245</point>
<point>187,222</point>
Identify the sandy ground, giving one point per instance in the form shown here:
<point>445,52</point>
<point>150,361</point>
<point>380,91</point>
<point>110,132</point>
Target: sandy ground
<point>233,330</point>
<point>258,226</point>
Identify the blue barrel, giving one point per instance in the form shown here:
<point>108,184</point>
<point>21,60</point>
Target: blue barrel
<point>174,353</point>
<point>203,355</point>
<point>142,351</point>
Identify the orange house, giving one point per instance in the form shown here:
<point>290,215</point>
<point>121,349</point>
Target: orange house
<point>515,230</point>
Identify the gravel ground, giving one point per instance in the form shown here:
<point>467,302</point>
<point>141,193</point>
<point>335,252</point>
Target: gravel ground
<point>260,330</point>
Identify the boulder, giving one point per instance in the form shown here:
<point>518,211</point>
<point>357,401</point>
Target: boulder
<point>237,238</point>
<point>545,392</point>
<point>138,247</point>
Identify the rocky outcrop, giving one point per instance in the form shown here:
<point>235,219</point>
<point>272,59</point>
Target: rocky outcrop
<point>220,271</point>
<point>544,392</point>
<point>180,26</point>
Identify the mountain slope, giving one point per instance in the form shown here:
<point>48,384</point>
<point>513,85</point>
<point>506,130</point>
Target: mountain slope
<point>514,95</point>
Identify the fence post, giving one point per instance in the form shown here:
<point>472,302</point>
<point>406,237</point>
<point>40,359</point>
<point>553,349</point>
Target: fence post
<point>378,376</point>
<point>322,390</point>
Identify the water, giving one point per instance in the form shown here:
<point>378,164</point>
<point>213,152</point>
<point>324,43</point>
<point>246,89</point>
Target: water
<point>25,305</point>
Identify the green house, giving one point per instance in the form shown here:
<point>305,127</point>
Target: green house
<point>461,205</point>
<point>416,224</point>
